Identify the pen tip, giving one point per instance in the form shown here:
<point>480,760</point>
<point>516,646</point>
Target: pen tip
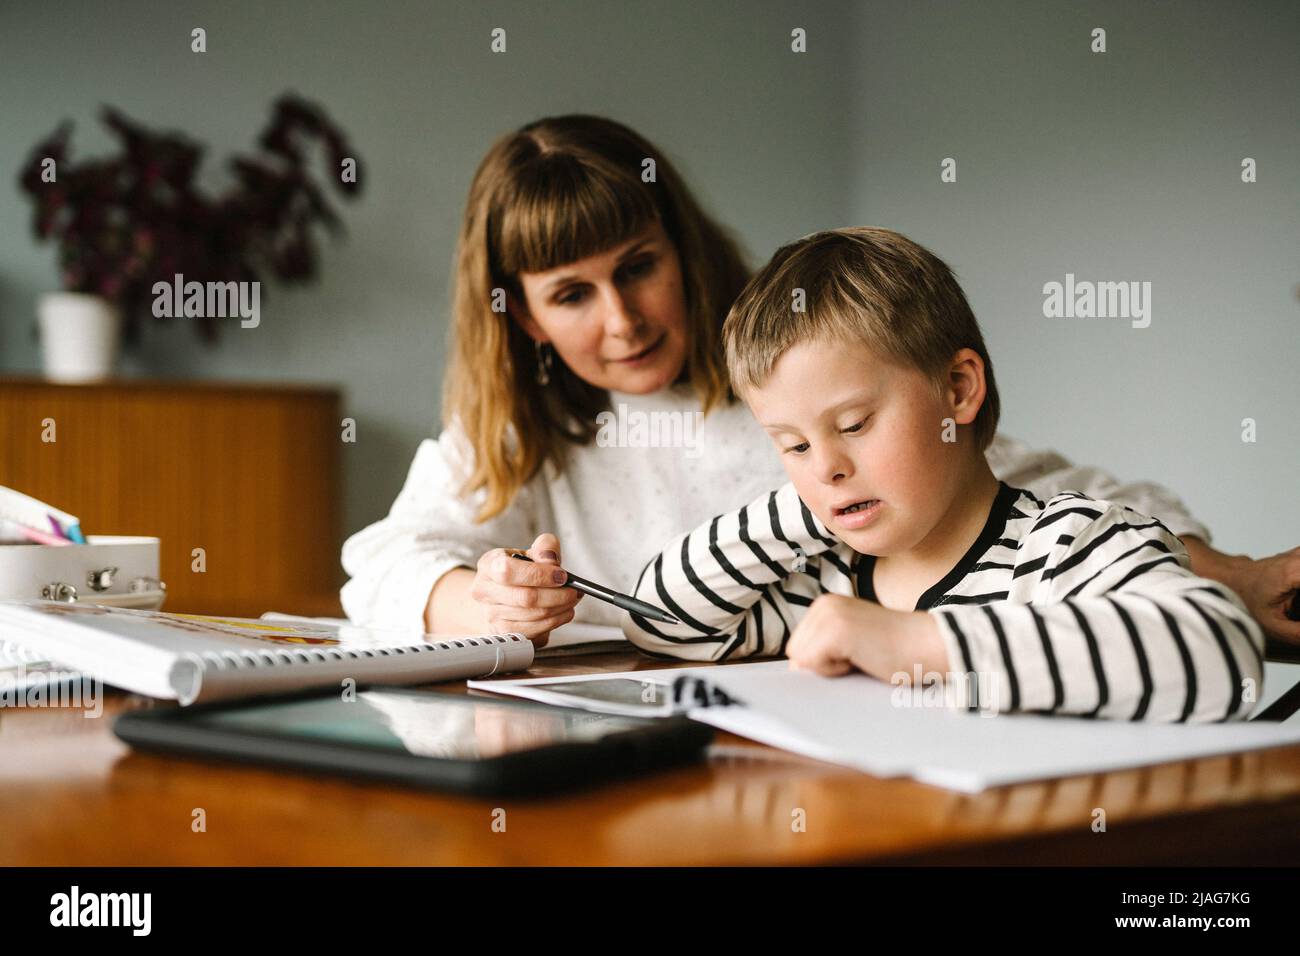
<point>669,619</point>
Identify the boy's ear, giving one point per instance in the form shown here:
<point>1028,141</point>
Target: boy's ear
<point>518,311</point>
<point>966,386</point>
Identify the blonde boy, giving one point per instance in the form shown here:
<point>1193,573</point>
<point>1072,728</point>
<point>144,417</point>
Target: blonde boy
<point>894,549</point>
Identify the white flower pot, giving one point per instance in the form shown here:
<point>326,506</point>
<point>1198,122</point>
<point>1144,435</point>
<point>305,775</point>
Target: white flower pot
<point>80,336</point>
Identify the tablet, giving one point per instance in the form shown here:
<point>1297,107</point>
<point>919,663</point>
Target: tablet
<point>424,738</point>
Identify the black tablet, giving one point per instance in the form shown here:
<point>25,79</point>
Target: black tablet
<point>475,745</point>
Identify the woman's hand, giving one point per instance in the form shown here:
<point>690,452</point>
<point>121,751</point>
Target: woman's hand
<point>1267,586</point>
<point>525,597</point>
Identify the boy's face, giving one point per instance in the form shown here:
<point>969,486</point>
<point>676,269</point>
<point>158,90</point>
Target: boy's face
<point>862,441</point>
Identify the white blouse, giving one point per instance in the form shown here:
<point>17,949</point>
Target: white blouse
<point>659,468</point>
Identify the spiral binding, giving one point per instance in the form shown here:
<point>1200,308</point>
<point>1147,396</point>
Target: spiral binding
<point>237,660</point>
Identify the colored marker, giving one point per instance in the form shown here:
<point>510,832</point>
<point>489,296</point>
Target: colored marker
<point>40,537</point>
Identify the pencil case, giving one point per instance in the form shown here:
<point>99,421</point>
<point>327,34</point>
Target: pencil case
<point>115,570</point>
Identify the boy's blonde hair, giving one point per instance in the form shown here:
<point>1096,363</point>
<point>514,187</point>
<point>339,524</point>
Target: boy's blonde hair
<point>867,286</point>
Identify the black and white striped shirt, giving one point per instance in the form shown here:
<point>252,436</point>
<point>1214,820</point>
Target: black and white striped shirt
<point>1076,606</point>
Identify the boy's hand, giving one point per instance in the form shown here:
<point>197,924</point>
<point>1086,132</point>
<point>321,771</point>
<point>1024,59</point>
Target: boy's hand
<point>840,634</point>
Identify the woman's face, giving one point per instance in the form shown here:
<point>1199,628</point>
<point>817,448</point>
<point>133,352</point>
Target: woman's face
<point>618,318</point>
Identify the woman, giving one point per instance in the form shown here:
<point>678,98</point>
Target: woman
<point>590,293</point>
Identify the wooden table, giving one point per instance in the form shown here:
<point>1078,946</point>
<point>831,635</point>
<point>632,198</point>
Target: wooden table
<point>72,794</point>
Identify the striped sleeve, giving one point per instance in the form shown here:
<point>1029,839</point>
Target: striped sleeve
<point>738,583</point>
<point>1104,618</point>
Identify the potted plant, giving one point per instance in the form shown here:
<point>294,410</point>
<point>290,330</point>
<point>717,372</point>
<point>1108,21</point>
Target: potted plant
<point>126,222</point>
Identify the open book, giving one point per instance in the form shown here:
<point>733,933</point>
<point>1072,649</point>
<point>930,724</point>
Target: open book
<point>190,657</point>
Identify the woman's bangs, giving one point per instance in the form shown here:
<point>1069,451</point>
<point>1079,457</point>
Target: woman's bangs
<point>564,210</point>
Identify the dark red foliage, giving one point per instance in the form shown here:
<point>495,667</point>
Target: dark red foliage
<point>128,221</point>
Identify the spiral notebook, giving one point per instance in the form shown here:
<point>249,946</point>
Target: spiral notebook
<point>190,657</point>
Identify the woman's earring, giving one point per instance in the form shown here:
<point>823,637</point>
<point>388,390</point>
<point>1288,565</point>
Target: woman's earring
<point>545,356</point>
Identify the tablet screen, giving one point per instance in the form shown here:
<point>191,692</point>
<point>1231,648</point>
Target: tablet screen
<point>652,697</point>
<point>428,724</point>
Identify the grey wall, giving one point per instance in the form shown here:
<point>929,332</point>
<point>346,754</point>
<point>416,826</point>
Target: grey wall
<point>415,86</point>
<point>1115,166</point>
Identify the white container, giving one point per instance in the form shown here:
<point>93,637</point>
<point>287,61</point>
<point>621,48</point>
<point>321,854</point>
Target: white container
<point>115,570</point>
<point>80,336</point>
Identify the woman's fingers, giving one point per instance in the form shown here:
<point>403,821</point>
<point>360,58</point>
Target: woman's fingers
<point>536,631</point>
<point>545,549</point>
<point>500,568</point>
<point>1269,588</point>
<point>534,614</point>
<point>525,596</point>
<point>547,596</point>
<point>533,628</point>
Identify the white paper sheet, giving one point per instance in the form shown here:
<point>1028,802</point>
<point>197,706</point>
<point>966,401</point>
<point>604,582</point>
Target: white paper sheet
<point>854,721</point>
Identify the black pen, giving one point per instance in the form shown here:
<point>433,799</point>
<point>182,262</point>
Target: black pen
<point>612,597</point>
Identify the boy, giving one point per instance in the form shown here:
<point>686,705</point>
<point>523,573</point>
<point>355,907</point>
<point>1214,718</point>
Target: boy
<point>895,551</point>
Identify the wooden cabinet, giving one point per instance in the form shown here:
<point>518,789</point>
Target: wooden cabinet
<point>249,473</point>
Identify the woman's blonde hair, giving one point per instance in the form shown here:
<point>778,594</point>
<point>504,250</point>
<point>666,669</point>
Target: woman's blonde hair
<point>558,190</point>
